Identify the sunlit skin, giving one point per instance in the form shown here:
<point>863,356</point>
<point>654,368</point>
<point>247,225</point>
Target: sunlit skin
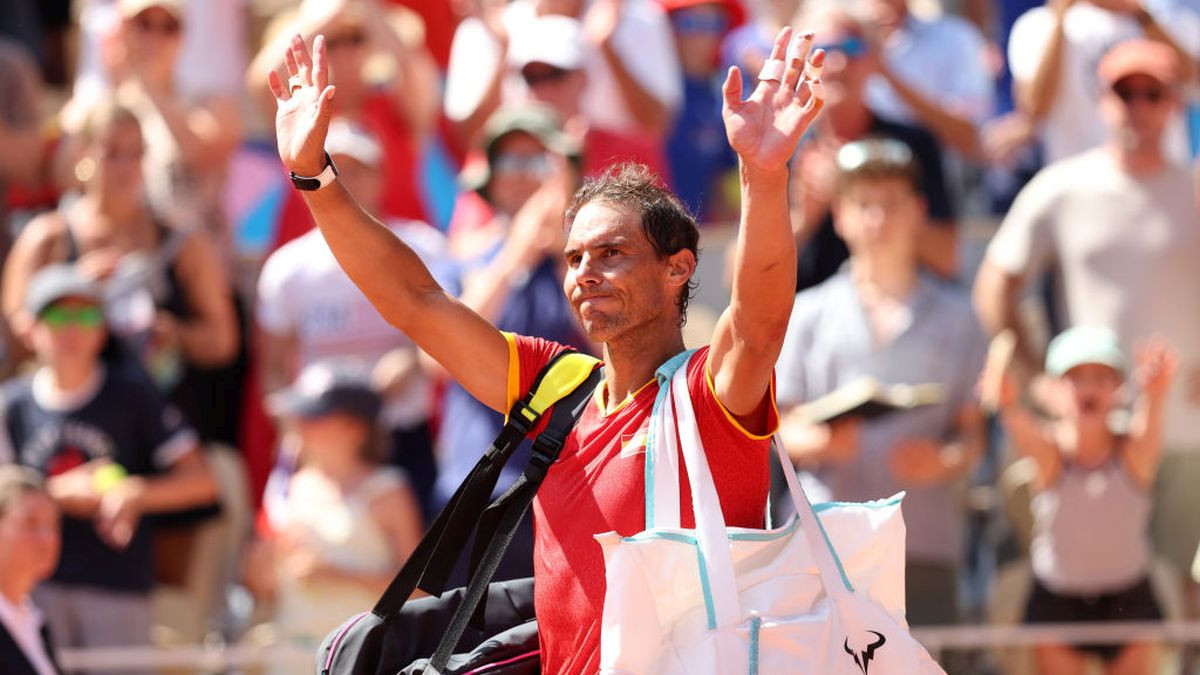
<point>879,213</point>
<point>615,281</point>
<point>29,544</point>
<point>116,155</point>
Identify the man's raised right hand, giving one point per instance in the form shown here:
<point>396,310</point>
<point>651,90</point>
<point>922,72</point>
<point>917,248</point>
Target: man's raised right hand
<point>304,106</point>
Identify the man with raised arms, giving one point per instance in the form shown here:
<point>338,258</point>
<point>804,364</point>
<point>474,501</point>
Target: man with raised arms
<point>630,255</point>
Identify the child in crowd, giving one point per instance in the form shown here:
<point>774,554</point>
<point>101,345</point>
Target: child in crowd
<point>1091,506</point>
<point>112,451</point>
<point>29,546</point>
<point>341,524</point>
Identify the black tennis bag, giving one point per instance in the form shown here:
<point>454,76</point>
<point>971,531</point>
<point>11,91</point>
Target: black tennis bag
<point>483,627</point>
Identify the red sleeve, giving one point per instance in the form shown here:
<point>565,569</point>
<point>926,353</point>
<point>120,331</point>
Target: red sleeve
<point>526,357</point>
<point>759,425</point>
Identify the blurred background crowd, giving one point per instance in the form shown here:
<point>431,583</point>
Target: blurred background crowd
<point>238,448</point>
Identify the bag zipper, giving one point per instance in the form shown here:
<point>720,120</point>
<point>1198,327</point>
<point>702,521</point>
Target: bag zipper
<point>506,662</point>
<point>337,641</point>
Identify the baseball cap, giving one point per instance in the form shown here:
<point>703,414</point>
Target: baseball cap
<point>1140,57</point>
<point>347,138</point>
<point>55,282</point>
<point>554,40</point>
<point>537,120</point>
<point>131,8</point>
<point>327,387</point>
<point>1084,344</point>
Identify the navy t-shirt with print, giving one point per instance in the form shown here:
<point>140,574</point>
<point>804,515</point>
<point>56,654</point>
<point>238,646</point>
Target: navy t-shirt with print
<point>126,421</point>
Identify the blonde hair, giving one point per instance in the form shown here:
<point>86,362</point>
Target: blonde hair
<point>103,116</point>
<point>16,481</point>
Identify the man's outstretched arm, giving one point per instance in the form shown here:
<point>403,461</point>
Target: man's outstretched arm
<point>764,130</point>
<point>386,270</point>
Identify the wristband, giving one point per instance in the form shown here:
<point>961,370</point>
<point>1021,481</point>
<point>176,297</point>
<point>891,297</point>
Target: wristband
<point>318,181</point>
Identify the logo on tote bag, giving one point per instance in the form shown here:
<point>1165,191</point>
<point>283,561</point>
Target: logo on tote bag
<point>867,654</point>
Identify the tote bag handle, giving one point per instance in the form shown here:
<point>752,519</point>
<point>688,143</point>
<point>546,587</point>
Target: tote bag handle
<point>713,548</point>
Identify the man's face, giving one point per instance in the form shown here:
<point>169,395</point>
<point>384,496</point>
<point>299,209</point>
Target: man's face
<point>519,165</point>
<point>70,331</point>
<point>29,536</point>
<point>1138,108</point>
<point>615,281</point>
<point>560,89</point>
<point>874,214</point>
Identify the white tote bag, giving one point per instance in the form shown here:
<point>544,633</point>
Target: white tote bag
<point>813,597</point>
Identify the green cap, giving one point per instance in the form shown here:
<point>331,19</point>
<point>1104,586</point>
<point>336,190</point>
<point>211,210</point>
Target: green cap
<point>1084,344</point>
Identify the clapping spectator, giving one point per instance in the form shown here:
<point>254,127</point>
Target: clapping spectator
<point>632,76</point>
<point>884,318</point>
<point>512,275</point>
<point>397,105</point>
<point>929,72</point>
<point>170,302</point>
<point>848,118</point>
<point>189,139</point>
<point>339,522</point>
<point>29,548</point>
<point>1053,52</point>
<point>308,311</point>
<point>1091,506</point>
<point>1114,229</point>
<point>112,450</point>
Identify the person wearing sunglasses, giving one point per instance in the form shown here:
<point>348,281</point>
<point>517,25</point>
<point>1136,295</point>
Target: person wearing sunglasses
<point>112,451</point>
<point>846,72</point>
<point>696,147</point>
<point>882,316</point>
<point>1053,51</point>
<point>1114,231</point>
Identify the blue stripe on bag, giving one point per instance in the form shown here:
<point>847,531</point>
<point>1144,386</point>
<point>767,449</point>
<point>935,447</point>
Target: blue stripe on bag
<point>664,374</point>
<point>755,626</point>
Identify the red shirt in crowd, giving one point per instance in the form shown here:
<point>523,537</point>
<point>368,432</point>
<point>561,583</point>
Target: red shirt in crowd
<point>598,485</point>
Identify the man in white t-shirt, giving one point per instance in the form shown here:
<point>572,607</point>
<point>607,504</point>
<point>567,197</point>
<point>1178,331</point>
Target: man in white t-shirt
<point>1053,52</point>
<point>633,76</point>
<point>1116,227</point>
<point>309,310</point>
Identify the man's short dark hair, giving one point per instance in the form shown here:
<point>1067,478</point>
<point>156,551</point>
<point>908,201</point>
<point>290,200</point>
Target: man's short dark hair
<point>877,159</point>
<point>668,224</point>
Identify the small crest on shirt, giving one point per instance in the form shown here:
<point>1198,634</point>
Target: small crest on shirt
<point>633,444</point>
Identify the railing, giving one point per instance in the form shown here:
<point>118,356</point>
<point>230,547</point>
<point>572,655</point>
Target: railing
<point>937,639</point>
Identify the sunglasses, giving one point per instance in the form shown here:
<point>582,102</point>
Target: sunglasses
<point>1148,94</point>
<point>879,151</point>
<point>164,27</point>
<point>852,47</point>
<point>535,76</point>
<point>697,23</point>
<point>530,165</point>
<point>60,317</point>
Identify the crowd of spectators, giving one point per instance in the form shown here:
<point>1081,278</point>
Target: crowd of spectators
<point>205,405</point>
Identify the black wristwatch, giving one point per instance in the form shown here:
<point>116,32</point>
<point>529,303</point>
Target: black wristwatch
<point>318,181</point>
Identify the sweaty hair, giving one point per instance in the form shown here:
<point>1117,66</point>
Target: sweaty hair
<point>16,481</point>
<point>668,224</point>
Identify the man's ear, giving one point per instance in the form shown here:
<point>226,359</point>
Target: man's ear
<point>681,266</point>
